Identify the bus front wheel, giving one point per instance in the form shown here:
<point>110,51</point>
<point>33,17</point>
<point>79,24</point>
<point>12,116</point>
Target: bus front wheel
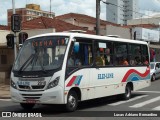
<point>127,94</point>
<point>72,101</point>
<point>27,106</point>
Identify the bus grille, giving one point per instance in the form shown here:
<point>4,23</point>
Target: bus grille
<point>24,87</point>
<point>31,96</point>
<point>33,87</point>
<point>38,87</point>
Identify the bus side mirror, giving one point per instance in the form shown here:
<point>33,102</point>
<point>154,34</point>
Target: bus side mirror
<point>76,47</point>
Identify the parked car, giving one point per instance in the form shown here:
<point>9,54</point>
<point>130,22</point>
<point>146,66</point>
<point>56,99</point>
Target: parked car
<point>155,70</point>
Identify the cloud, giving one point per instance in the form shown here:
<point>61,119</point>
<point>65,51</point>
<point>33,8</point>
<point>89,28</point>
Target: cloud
<point>60,7</point>
<point>153,5</point>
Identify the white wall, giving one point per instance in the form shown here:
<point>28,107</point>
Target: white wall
<point>34,32</point>
<point>3,34</point>
<point>154,21</point>
<point>122,32</point>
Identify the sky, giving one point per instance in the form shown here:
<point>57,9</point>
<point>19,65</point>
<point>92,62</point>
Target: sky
<point>60,7</point>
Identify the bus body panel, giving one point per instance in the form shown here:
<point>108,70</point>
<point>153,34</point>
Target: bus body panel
<point>101,82</point>
<point>93,81</point>
<point>51,96</point>
<point>46,96</point>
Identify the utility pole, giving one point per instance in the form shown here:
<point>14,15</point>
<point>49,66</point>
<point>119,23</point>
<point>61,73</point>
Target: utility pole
<point>97,16</point>
<point>15,40</point>
<point>50,8</point>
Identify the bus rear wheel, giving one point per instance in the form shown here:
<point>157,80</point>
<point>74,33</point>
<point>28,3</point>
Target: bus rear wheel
<point>72,101</point>
<point>27,106</point>
<point>127,94</point>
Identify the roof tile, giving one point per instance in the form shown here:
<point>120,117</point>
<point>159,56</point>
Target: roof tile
<point>44,23</point>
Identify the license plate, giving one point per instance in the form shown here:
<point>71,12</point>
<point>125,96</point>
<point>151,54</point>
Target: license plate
<point>31,101</point>
<point>26,83</point>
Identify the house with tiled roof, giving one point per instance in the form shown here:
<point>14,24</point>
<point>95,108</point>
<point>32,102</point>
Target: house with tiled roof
<point>4,27</point>
<point>152,19</point>
<point>48,23</point>
<point>6,55</point>
<point>4,30</point>
<point>33,27</point>
<point>85,21</point>
<point>148,26</point>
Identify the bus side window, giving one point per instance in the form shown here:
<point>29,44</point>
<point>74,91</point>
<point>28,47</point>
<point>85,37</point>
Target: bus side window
<point>103,53</point>
<point>81,57</point>
<point>138,55</point>
<point>121,55</point>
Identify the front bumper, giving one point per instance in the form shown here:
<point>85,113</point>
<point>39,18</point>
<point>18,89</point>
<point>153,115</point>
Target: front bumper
<point>51,96</point>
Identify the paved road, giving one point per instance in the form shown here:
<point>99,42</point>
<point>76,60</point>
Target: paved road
<point>147,99</point>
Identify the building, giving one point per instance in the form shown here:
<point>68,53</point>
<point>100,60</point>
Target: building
<point>30,12</point>
<point>119,11</point>
<point>154,20</point>
<point>119,31</point>
<point>33,27</point>
<point>6,55</point>
<point>49,23</point>
<point>85,21</point>
<point>151,34</point>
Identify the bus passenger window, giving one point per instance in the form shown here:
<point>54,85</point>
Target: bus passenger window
<point>82,56</point>
<point>125,62</point>
<point>138,61</point>
<point>145,61</point>
<point>120,53</point>
<point>103,53</point>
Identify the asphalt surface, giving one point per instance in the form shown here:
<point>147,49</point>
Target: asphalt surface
<point>144,101</point>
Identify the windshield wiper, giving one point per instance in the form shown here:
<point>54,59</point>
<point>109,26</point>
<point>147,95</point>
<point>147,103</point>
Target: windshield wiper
<point>43,69</point>
<point>35,60</point>
<point>26,63</point>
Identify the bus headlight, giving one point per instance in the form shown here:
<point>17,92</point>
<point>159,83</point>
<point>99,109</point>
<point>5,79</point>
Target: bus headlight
<point>53,83</point>
<point>13,85</point>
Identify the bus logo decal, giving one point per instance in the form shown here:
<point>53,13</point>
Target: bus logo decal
<point>134,75</point>
<point>75,80</point>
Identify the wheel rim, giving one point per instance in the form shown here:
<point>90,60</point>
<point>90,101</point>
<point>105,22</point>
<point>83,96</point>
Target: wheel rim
<point>72,101</point>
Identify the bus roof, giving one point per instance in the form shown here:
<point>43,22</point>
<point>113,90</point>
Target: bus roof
<point>90,36</point>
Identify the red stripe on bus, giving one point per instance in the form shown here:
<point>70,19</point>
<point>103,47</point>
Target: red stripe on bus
<point>71,81</point>
<point>135,71</point>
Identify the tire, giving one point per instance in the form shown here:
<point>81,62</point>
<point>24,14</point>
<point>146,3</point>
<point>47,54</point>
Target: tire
<point>127,94</point>
<point>72,101</point>
<point>153,77</point>
<point>27,106</point>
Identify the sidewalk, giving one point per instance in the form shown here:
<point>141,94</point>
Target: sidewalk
<point>4,91</point>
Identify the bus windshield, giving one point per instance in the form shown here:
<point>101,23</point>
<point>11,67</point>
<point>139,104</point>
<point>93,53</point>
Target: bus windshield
<point>41,54</point>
